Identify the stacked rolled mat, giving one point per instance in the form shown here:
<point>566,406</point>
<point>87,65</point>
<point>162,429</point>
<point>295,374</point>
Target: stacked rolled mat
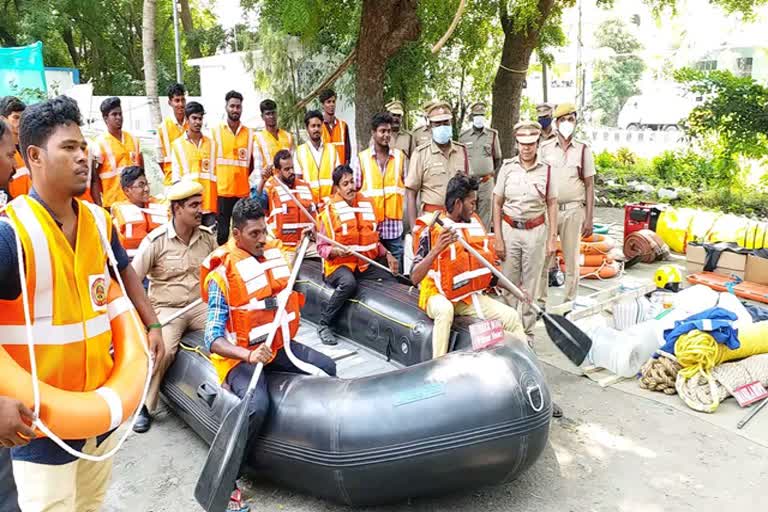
<point>598,257</point>
<point>645,245</point>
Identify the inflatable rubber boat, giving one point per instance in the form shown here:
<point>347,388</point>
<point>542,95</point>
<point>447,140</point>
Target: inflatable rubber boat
<point>395,424</point>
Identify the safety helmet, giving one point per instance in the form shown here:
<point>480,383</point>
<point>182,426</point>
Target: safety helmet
<point>668,277</point>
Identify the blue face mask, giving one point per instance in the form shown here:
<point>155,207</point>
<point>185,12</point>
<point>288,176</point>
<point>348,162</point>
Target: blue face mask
<point>442,134</point>
<point>545,122</point>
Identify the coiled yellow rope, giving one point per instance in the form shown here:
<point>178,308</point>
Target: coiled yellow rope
<point>698,351</point>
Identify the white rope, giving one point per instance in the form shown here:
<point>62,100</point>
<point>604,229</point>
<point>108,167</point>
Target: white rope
<point>33,362</point>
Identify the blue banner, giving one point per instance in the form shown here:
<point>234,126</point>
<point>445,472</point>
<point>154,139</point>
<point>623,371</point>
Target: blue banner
<point>22,72</point>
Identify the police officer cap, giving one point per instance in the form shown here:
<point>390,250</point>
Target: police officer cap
<point>395,107</point>
<point>527,132</point>
<point>439,111</point>
<point>544,109</point>
<point>477,108</point>
<point>428,105</point>
<point>184,189</point>
<point>564,109</point>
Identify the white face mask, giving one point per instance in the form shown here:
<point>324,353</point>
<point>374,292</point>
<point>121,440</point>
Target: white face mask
<point>566,129</point>
<point>478,122</point>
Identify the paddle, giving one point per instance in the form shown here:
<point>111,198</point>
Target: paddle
<point>333,242</point>
<point>564,333</point>
<point>173,316</point>
<point>225,456</point>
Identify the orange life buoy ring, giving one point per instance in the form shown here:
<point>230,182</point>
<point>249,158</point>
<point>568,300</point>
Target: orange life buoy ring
<point>82,415</point>
<point>603,271</point>
<point>595,244</point>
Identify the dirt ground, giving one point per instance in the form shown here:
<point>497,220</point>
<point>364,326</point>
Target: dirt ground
<point>612,452</point>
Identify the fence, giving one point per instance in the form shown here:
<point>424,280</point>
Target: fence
<point>645,143</point>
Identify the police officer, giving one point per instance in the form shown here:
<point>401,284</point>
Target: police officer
<point>482,144</point>
<point>422,134</point>
<point>525,217</point>
<point>573,170</point>
<point>170,257</point>
<point>434,164</point>
<point>401,138</point>
<point>544,113</point>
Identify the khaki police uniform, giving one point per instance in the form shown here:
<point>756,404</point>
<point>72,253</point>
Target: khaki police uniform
<point>545,110</point>
<point>525,194</point>
<point>173,269</point>
<point>401,139</point>
<point>421,135</point>
<point>483,149</point>
<point>565,163</point>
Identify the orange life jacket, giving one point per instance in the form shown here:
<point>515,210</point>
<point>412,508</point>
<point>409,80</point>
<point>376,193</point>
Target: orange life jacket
<point>267,146</point>
<point>337,137</point>
<point>233,160</point>
<point>114,155</point>
<point>197,162</point>
<point>67,290</point>
<point>455,273</point>
<point>21,181</point>
<point>167,133</point>
<point>320,179</point>
<point>251,312</point>
<point>385,191</point>
<point>353,226</point>
<point>286,221</point>
<point>134,223</point>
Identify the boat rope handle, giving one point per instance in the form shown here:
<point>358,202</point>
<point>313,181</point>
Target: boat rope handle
<point>194,349</point>
<point>366,306</point>
<point>38,422</point>
<point>530,398</point>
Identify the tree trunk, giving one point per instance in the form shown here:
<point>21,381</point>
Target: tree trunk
<point>385,27</point>
<point>150,58</point>
<point>508,84</point>
<point>193,46</point>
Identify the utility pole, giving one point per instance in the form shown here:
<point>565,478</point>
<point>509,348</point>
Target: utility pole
<point>177,40</point>
<point>544,83</point>
<point>579,63</point>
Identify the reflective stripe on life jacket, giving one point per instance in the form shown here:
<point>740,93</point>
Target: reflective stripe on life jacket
<point>252,286</point>
<point>134,223</point>
<point>167,133</point>
<point>268,146</point>
<point>197,162</point>
<point>115,154</point>
<point>337,137</point>
<point>286,221</point>
<point>354,226</point>
<point>385,191</point>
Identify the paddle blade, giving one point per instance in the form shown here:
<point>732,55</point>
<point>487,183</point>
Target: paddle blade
<point>222,466</point>
<point>569,339</point>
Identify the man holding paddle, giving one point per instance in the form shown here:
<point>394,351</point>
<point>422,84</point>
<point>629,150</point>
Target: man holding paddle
<point>350,220</point>
<point>253,315</point>
<point>450,281</point>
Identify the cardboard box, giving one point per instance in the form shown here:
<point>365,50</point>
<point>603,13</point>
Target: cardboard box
<point>729,264</point>
<point>732,261</point>
<point>695,254</point>
<point>757,270</point>
<point>694,268</point>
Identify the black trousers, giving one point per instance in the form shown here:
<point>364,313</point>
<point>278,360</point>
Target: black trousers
<point>224,218</point>
<point>344,281</point>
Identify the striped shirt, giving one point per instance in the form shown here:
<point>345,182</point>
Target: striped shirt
<point>218,315</point>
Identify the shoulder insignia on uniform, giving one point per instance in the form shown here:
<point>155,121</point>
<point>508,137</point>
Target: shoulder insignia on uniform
<point>460,144</point>
<point>422,146</point>
<point>157,232</point>
<point>465,132</point>
<point>207,229</point>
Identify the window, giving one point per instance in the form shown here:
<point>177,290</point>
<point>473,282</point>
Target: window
<point>744,66</point>
<point>706,65</point>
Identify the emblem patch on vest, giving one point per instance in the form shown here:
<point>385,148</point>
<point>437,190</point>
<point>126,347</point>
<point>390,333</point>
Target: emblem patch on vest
<point>98,287</point>
<point>242,153</point>
<point>206,164</point>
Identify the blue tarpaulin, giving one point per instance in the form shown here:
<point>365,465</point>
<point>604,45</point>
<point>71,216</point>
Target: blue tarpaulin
<point>22,72</point>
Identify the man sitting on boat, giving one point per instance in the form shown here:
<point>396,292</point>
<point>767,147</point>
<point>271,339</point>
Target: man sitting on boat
<point>241,281</point>
<point>451,282</point>
<point>139,214</point>
<point>350,220</point>
<point>285,220</point>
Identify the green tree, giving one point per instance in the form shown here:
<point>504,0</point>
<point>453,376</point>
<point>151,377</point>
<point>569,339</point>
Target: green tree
<point>734,111</point>
<point>616,77</point>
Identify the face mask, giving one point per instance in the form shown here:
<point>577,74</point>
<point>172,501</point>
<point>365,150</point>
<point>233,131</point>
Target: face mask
<point>478,122</point>
<point>566,129</point>
<point>442,134</point>
<point>545,122</point>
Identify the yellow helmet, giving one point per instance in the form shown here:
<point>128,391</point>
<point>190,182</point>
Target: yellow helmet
<point>668,277</point>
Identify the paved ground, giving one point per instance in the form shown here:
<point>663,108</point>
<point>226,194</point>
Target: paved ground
<point>611,452</point>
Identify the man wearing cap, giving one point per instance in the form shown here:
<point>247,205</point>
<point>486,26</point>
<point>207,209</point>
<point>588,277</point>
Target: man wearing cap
<point>573,171</point>
<point>525,217</point>
<point>401,139</point>
<point>433,165</point>
<point>544,113</point>
<point>422,134</point>
<point>170,257</point>
<point>482,144</point>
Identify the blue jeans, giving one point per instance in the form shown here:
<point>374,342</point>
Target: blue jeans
<point>395,246</point>
<point>7,485</point>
